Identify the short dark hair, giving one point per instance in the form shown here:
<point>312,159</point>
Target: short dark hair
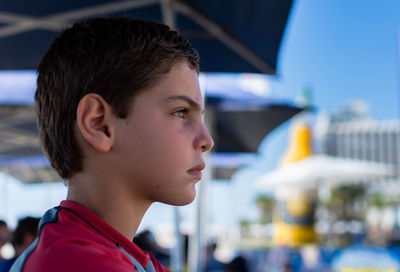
<point>27,225</point>
<point>113,57</point>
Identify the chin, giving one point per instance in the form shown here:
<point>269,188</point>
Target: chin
<point>181,200</point>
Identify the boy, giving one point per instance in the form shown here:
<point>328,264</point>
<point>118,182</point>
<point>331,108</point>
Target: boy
<point>120,116</point>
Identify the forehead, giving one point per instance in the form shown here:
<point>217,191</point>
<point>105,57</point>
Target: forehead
<point>181,81</point>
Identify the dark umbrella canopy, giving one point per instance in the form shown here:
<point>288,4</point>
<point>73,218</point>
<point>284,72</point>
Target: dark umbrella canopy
<point>231,36</point>
<point>20,152</point>
<point>241,126</point>
<point>243,110</point>
<point>243,130</point>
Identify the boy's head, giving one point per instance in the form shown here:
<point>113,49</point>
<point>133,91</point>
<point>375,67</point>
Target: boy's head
<point>116,58</point>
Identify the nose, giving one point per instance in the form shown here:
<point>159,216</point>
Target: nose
<point>204,142</point>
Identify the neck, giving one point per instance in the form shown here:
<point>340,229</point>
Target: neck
<point>109,201</point>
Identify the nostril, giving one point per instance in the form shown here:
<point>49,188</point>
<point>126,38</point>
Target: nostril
<point>204,141</point>
<point>209,144</point>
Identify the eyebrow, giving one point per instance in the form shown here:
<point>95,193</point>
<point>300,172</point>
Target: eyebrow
<point>188,100</point>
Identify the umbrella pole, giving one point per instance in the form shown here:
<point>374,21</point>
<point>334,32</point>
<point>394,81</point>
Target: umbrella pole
<point>168,13</point>
<point>6,187</point>
<point>177,254</point>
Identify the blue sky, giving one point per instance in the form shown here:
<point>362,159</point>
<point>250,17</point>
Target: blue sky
<point>343,50</point>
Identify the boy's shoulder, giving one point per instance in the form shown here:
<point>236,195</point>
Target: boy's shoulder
<point>76,256</point>
<point>70,240</point>
<point>73,238</point>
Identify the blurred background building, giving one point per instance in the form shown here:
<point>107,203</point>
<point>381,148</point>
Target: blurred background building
<point>350,132</point>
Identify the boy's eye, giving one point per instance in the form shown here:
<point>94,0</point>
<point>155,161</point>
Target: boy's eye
<point>182,113</point>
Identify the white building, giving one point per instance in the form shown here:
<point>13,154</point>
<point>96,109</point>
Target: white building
<point>350,133</point>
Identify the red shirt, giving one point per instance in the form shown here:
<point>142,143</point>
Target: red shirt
<point>73,238</point>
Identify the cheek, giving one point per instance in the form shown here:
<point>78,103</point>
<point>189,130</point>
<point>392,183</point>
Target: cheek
<point>161,150</point>
<point>164,146</point>
<point>165,139</point>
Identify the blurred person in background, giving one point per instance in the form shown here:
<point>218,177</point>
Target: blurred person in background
<point>146,241</point>
<point>212,264</point>
<point>5,235</point>
<point>23,236</point>
<point>238,264</point>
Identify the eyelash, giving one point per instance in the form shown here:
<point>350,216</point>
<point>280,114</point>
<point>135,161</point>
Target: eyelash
<point>181,113</point>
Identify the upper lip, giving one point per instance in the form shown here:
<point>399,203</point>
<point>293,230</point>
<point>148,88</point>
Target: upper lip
<point>199,167</point>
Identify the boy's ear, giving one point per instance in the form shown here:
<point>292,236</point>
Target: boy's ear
<point>93,117</point>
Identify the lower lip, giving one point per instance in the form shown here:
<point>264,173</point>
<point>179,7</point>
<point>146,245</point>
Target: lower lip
<point>195,173</point>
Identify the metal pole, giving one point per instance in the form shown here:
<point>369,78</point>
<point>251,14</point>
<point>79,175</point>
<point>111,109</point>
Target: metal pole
<point>177,253</point>
<point>6,187</point>
<point>168,13</point>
